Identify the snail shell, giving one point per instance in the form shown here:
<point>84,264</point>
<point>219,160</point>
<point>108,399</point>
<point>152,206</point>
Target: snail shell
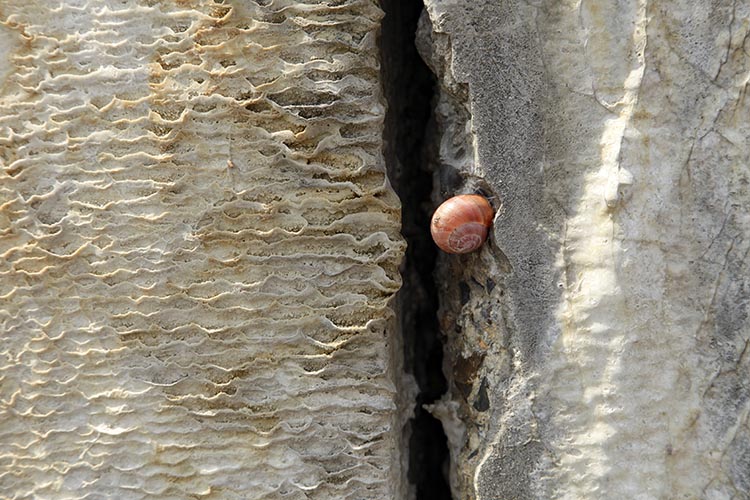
<point>461,223</point>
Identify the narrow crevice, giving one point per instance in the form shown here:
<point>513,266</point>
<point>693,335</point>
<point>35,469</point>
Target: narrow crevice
<point>409,89</point>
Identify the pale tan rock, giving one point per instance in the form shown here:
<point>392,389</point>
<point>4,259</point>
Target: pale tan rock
<point>198,246</point>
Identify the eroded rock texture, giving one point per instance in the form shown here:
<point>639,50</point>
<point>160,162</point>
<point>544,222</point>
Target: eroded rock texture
<point>599,346</point>
<point>198,249</point>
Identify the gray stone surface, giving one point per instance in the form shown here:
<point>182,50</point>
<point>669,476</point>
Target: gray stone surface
<point>598,346</point>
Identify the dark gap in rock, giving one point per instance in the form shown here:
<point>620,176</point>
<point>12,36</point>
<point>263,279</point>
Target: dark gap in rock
<point>409,88</point>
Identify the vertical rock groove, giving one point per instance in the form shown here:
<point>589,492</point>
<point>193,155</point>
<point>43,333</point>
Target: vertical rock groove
<point>409,89</point>
<point>198,250</point>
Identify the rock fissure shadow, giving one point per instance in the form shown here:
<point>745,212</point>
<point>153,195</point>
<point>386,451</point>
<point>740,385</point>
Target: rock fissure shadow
<point>409,88</point>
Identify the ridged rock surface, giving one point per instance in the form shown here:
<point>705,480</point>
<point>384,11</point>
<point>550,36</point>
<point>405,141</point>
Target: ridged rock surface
<point>198,246</point>
<point>599,346</point>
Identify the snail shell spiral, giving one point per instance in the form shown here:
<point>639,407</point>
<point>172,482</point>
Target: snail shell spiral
<point>461,223</point>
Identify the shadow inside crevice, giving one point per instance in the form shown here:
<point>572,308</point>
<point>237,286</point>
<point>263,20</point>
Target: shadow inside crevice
<point>409,88</point>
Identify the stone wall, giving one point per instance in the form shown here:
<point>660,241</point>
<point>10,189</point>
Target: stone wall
<point>200,249</point>
<point>199,246</point>
<point>598,346</point>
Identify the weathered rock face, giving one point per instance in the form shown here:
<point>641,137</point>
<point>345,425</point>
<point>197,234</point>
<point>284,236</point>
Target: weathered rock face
<point>600,345</point>
<point>198,249</point>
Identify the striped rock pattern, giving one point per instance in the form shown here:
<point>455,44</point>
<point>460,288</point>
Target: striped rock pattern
<point>198,246</point>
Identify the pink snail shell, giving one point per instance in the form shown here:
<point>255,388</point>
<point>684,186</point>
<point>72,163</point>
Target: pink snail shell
<point>461,223</point>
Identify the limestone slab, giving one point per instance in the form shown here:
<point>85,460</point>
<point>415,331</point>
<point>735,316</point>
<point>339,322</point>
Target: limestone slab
<point>198,246</point>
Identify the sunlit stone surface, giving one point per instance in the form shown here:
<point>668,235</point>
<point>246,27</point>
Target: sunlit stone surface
<point>197,249</point>
<point>599,346</point>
